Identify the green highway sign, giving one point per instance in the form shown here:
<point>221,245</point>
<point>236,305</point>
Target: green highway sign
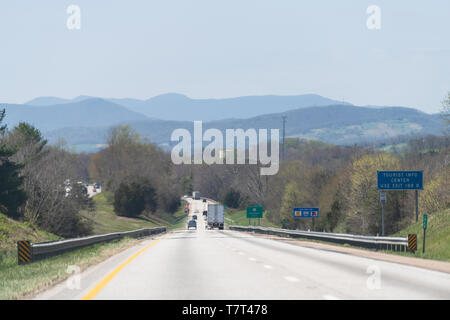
<point>254,212</point>
<point>425,220</point>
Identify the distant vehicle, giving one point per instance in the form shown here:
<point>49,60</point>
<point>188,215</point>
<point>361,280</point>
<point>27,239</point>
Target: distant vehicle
<point>94,190</point>
<point>205,213</point>
<point>97,185</point>
<point>196,195</point>
<point>204,200</point>
<point>215,216</point>
<point>185,196</point>
<point>196,211</point>
<point>194,217</point>
<point>192,224</point>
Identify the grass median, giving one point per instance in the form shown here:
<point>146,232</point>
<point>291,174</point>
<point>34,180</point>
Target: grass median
<point>25,281</point>
<point>239,218</point>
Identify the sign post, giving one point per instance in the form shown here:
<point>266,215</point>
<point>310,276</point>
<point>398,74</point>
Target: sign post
<point>255,212</point>
<point>417,206</point>
<point>425,222</point>
<point>401,180</point>
<point>306,213</point>
<point>382,201</point>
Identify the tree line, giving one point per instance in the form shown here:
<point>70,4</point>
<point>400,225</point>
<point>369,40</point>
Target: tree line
<point>38,182</point>
<point>43,184</point>
<point>341,181</point>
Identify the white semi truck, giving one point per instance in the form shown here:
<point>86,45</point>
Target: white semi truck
<point>196,195</point>
<point>215,218</point>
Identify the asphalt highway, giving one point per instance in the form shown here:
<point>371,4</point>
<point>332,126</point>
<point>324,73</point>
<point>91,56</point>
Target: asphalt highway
<point>213,264</point>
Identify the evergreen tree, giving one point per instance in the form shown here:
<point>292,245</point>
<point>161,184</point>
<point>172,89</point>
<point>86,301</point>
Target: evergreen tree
<point>12,196</point>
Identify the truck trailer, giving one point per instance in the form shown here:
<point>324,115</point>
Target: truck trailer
<point>196,195</point>
<point>215,218</point>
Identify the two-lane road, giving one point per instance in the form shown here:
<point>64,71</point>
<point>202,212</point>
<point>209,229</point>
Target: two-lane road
<point>212,264</point>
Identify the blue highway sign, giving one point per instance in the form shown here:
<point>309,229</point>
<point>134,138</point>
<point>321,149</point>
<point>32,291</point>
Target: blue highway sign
<point>400,180</point>
<point>305,213</point>
<point>383,197</point>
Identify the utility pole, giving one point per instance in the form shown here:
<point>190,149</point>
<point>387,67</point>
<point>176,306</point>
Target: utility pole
<point>284,137</point>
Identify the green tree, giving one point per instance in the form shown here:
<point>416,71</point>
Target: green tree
<point>364,206</point>
<point>436,193</point>
<point>129,158</point>
<point>12,196</point>
<point>187,184</point>
<point>232,198</point>
<point>135,198</point>
<point>292,198</point>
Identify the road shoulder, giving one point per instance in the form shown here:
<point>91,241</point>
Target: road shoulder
<point>441,266</point>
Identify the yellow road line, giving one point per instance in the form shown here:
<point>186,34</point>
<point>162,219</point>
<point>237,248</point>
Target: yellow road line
<point>94,291</point>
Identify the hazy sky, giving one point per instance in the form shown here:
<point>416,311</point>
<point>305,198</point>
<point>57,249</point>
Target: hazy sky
<point>226,48</point>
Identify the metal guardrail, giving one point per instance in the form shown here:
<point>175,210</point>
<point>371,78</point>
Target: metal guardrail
<point>181,218</point>
<point>372,242</point>
<point>46,249</point>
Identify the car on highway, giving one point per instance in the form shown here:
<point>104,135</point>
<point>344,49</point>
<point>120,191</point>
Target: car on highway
<point>196,211</point>
<point>194,217</point>
<point>204,200</point>
<point>192,224</point>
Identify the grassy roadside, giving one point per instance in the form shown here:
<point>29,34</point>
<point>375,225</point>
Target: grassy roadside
<point>104,219</point>
<point>239,218</point>
<point>437,242</point>
<point>437,237</point>
<point>18,282</point>
<point>22,282</point>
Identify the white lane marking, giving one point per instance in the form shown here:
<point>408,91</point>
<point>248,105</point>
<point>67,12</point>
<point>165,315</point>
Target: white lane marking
<point>268,266</point>
<point>329,297</point>
<point>291,279</point>
<point>252,259</point>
